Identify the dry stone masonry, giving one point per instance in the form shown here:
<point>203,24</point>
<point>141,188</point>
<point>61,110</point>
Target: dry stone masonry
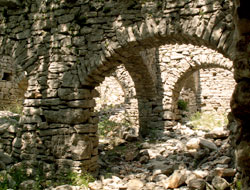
<point>68,48</point>
<point>13,83</point>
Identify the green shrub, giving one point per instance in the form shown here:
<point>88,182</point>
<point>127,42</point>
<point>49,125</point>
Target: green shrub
<point>79,179</point>
<point>182,105</point>
<point>238,185</point>
<point>105,126</point>
<point>13,178</point>
<point>208,121</point>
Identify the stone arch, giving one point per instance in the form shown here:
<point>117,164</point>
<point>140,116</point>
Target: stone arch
<point>204,61</point>
<point>58,107</point>
<point>215,32</point>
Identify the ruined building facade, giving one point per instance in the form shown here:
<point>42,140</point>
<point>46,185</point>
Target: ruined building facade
<point>68,48</point>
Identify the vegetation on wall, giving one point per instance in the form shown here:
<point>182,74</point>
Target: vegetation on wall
<point>182,105</point>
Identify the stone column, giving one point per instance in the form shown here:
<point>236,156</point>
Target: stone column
<point>59,123</point>
<point>240,103</point>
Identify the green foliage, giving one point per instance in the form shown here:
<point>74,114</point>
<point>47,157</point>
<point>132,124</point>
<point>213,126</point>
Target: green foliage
<point>195,116</point>
<point>73,178</point>
<point>105,126</point>
<point>182,105</point>
<point>13,178</point>
<point>208,121</point>
<point>238,185</point>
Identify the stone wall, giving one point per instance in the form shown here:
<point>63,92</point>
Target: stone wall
<point>207,88</point>
<point>84,41</point>
<point>209,91</point>
<point>194,67</point>
<point>12,82</point>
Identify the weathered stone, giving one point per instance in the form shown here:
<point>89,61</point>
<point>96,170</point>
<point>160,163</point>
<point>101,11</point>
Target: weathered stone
<point>199,184</point>
<point>67,116</point>
<point>82,103</point>
<point>193,143</point>
<point>135,184</point>
<point>219,183</point>
<point>5,158</point>
<point>224,172</point>
<point>71,94</point>
<point>176,179</point>
<point>207,144</point>
<point>28,185</point>
<point>132,28</point>
<point>217,133</point>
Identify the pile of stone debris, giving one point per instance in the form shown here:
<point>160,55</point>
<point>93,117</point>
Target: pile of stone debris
<point>181,158</point>
<point>178,158</point>
<point>9,142</point>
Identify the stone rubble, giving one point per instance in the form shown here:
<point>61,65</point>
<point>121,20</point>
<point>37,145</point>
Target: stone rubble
<point>175,160</point>
<point>178,158</point>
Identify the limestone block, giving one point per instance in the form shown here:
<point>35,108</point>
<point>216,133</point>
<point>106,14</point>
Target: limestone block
<point>168,115</point>
<point>30,119</point>
<point>32,111</point>
<point>82,150</point>
<point>86,128</point>
<point>5,158</point>
<point>51,102</point>
<point>74,94</point>
<point>220,183</point>
<point>58,67</point>
<point>193,143</point>
<point>82,103</point>
<point>17,142</point>
<point>66,18</point>
<point>67,116</point>
<point>67,79</point>
<point>23,35</point>
<point>207,144</point>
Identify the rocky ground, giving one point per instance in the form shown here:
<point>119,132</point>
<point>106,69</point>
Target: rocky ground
<point>179,158</point>
<point>176,158</point>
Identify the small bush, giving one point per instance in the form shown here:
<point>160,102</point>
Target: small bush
<point>238,185</point>
<point>79,179</point>
<point>105,126</point>
<point>208,121</point>
<point>182,105</point>
<point>13,178</point>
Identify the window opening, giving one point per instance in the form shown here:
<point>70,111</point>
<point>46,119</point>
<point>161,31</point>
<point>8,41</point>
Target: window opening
<point>7,76</point>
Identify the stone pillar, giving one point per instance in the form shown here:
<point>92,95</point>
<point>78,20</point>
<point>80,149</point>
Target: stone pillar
<point>59,123</point>
<point>240,103</point>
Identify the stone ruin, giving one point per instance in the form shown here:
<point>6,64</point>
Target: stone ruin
<point>207,88</point>
<point>13,82</point>
<point>68,48</point>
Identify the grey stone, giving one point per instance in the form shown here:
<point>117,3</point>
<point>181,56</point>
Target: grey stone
<point>220,183</point>
<point>199,184</point>
<point>208,144</point>
<point>28,185</point>
<point>5,158</point>
<point>135,184</point>
<point>67,116</point>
